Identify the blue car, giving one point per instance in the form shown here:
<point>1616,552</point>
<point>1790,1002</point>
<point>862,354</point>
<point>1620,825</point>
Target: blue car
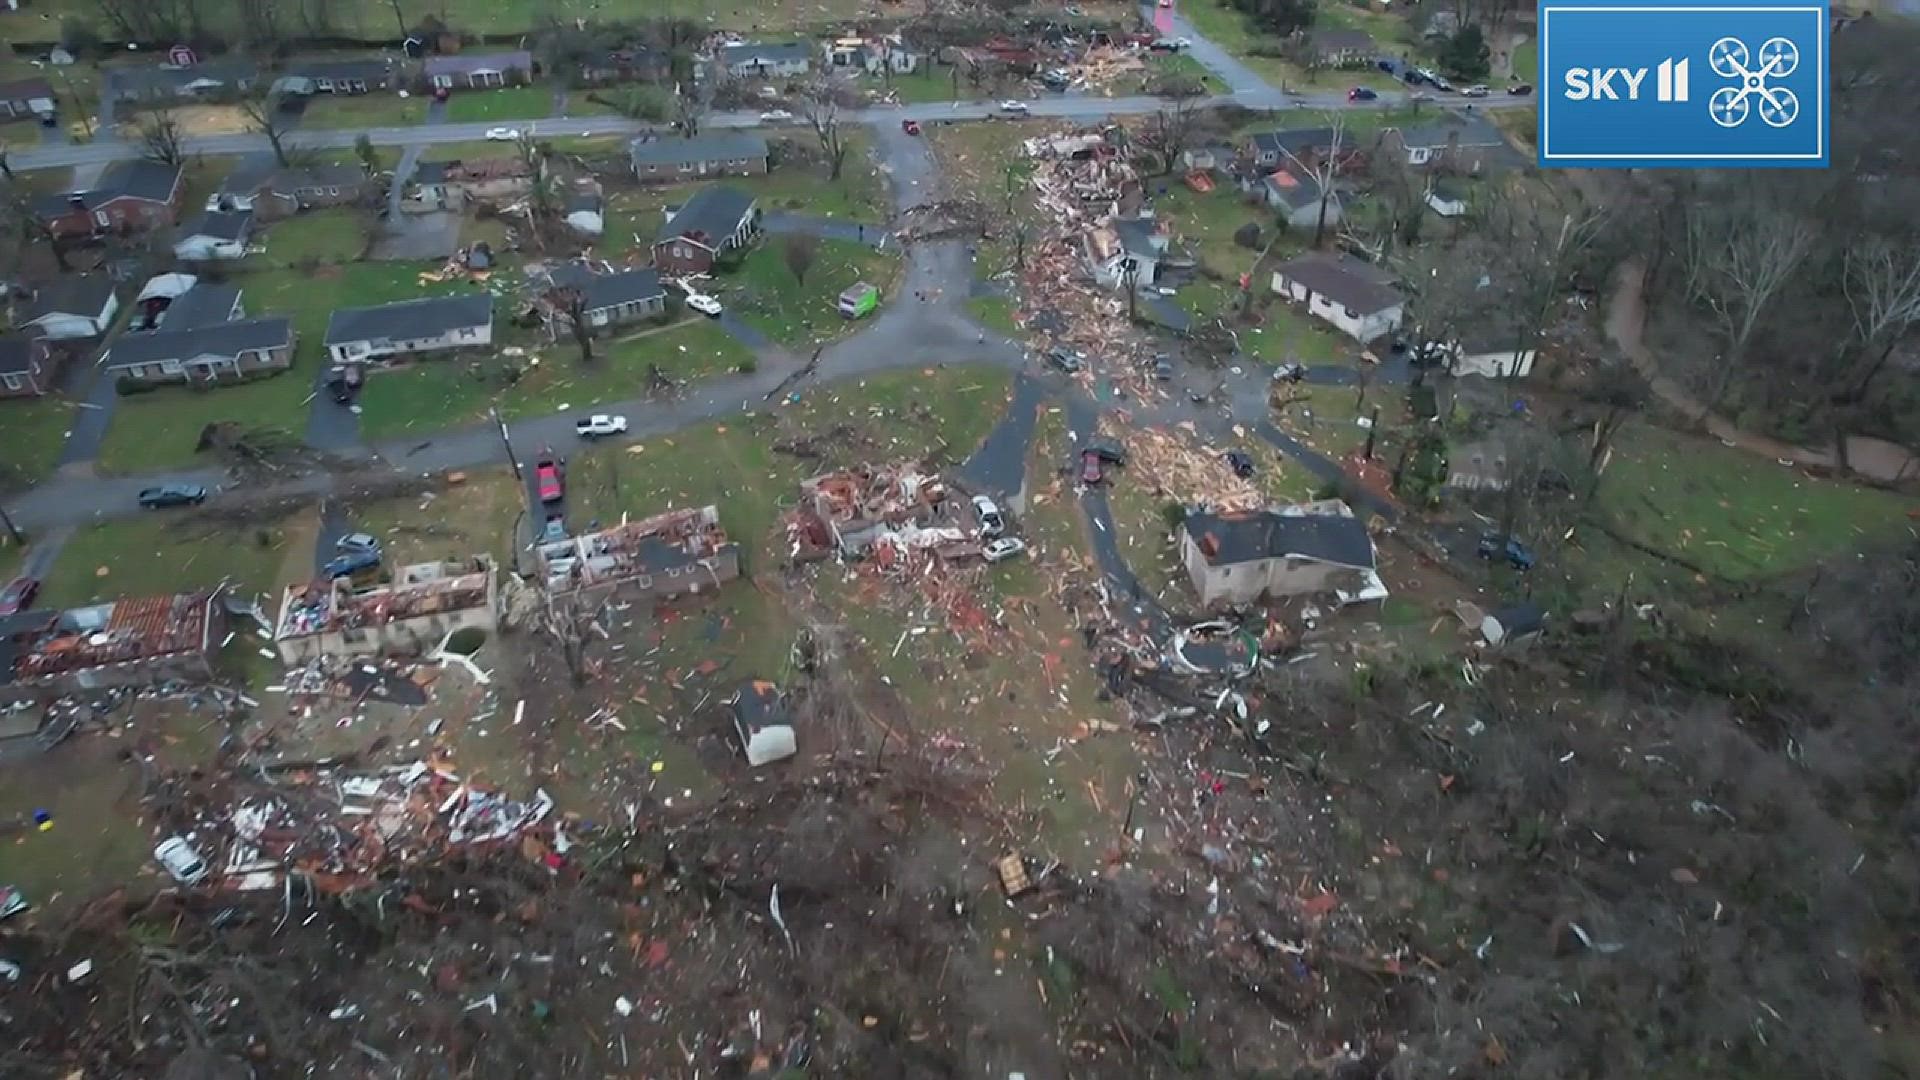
<point>1509,548</point>
<point>351,563</point>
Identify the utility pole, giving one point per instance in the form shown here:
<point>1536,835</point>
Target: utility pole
<point>513,459</point>
<point>19,537</point>
<point>1373,429</point>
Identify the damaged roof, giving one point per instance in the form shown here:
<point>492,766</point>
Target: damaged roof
<point>718,146</point>
<point>74,294</point>
<point>1250,535</point>
<point>1294,188</point>
<point>218,224</point>
<point>758,704</point>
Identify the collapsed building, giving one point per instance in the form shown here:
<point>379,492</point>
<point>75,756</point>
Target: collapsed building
<point>886,512</point>
<point>663,556</point>
<point>414,613</point>
<point>141,641</point>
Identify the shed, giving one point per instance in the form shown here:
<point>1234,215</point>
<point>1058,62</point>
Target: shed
<point>765,726</point>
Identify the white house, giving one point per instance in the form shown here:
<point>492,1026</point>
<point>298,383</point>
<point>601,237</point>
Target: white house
<point>873,55</point>
<point>1358,299</point>
<point>76,306</point>
<point>1126,249</point>
<point>214,235</point>
<point>1447,200</point>
<point>1489,356</point>
<point>481,71</point>
<point>771,60</point>
<point>411,326</point>
<point>1242,556</point>
<point>761,719</point>
<point>1296,197</point>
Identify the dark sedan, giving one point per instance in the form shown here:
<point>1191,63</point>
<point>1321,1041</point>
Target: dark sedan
<point>155,498</point>
<point>18,595</point>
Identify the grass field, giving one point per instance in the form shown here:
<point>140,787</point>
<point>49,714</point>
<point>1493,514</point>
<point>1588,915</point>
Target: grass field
<point>374,19</point>
<point>436,394</point>
<point>363,111</point>
<point>1233,32</point>
<point>35,431</point>
<point>508,103</point>
<point>797,313</point>
<point>334,235</point>
<point>994,312</point>
<point>166,552</point>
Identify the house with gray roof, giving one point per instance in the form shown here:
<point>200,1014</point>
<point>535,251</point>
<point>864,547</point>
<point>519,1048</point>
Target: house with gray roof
<point>1241,557</point>
<point>719,153</point>
<point>334,77</point>
<point>1342,48</point>
<point>155,82</point>
<point>72,306</point>
<point>1125,250</point>
<point>213,235</point>
<point>206,354</point>
<point>271,192</point>
<point>28,365</point>
<point>479,71</point>
<point>765,60</point>
<point>206,304</point>
<point>26,97</point>
<point>719,218</point>
<point>1357,298</point>
<point>433,324</point>
<point>129,196</point>
<point>609,297</point>
<point>1462,144</point>
<point>1297,197</point>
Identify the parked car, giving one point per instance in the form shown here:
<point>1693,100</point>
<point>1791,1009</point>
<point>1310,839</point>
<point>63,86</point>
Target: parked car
<point>1111,453</point>
<point>991,523</point>
<point>345,383</point>
<point>156,498</point>
<point>1013,108</point>
<point>1440,83</point>
<point>1510,548</point>
<point>357,542</point>
<point>18,595</point>
<point>350,563</point>
<point>181,861</point>
<point>1066,360</point>
<point>12,901</point>
<point>503,134</point>
<point>1162,369</point>
<point>911,127</point>
<point>554,531</point>
<point>598,425</point>
<point>1241,463</point>
<point>549,479</point>
<point>1361,93</point>
<point>1092,469</point>
<point>1476,91</point>
<point>704,304</point>
<point>1056,79</point>
<point>1520,89</point>
<point>1290,372</point>
<point>775,116</point>
<point>1002,549</point>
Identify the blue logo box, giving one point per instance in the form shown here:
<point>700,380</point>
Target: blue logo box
<point>1631,84</point>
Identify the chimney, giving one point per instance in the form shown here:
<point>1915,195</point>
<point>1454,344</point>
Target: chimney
<point>1209,545</point>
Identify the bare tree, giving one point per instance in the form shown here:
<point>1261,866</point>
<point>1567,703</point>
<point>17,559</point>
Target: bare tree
<point>19,213</point>
<point>571,623</point>
<point>262,110</point>
<point>1168,133</point>
<point>573,301</point>
<point>399,17</point>
<point>820,105</point>
<point>1324,169</point>
<point>1737,262</point>
<point>369,157</point>
<point>689,109</point>
<point>798,251</point>
<point>260,21</point>
<point>161,138</point>
<point>1881,281</point>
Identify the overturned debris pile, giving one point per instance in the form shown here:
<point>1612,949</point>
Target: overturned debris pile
<point>1178,466</point>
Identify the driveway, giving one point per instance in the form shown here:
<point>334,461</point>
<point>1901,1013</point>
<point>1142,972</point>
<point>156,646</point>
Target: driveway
<point>1000,465</point>
<point>429,237</point>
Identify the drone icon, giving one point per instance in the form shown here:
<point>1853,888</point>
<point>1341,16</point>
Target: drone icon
<point>1729,105</point>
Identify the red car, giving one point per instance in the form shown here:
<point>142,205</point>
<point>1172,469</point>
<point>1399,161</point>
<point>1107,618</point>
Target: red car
<point>18,595</point>
<point>911,127</point>
<point>549,480</point>
<point>1092,469</point>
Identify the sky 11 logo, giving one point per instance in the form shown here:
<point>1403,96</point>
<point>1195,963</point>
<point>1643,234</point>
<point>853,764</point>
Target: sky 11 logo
<point>1683,83</point>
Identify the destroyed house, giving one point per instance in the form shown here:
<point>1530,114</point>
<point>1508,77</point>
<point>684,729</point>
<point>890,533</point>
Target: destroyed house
<point>1240,557</point>
<point>763,722</point>
<point>414,613</point>
<point>1126,252</point>
<point>145,641</point>
<point>853,511</point>
<point>663,556</point>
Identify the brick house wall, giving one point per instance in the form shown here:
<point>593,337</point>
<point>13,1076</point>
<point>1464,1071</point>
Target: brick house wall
<point>248,364</point>
<point>43,368</point>
<point>124,214</point>
<point>673,173</point>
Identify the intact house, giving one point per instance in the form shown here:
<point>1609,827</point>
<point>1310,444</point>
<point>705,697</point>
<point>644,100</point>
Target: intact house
<point>1125,251</point>
<point>659,558</point>
<point>1342,48</point>
<point>713,154</point>
<point>1241,557</point>
<point>26,97</point>
<point>763,722</point>
<point>608,297</point>
<point>143,641</point>
<point>203,304</point>
<point>1447,199</point>
<point>1297,197</point>
<point>716,220</point>
<point>875,56</point>
<point>204,354</point>
<point>164,83</point>
<point>271,192</point>
<point>758,60</point>
<point>1464,144</point>
<point>129,196</point>
<point>306,77</point>
<point>1356,298</point>
<point>1304,146</point>
<point>411,616</point>
<point>72,307</point>
<point>28,367</point>
<point>434,324</point>
<point>483,71</point>
<point>214,235</point>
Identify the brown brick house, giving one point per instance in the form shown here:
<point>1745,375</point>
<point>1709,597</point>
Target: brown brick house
<point>131,196</point>
<point>28,365</point>
<point>672,160</point>
<point>716,220</point>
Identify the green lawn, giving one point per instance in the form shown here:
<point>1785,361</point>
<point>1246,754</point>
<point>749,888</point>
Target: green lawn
<point>36,429</point>
<point>364,111</point>
<point>1526,62</point>
<point>768,296</point>
<point>508,103</point>
<point>1233,32</point>
<point>375,18</point>
<point>164,552</point>
<point>932,83</point>
<point>334,235</point>
<point>995,312</point>
<point>1736,514</point>
<point>435,394</point>
<point>1167,65</point>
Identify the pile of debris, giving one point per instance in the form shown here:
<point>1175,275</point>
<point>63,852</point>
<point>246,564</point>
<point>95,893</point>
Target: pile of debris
<point>1177,465</point>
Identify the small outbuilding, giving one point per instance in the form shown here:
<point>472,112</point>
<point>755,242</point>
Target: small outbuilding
<point>765,726</point>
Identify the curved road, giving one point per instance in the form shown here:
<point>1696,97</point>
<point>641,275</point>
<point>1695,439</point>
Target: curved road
<point>909,333</point>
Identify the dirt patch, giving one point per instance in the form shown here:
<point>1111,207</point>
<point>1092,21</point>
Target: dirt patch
<point>195,120</point>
